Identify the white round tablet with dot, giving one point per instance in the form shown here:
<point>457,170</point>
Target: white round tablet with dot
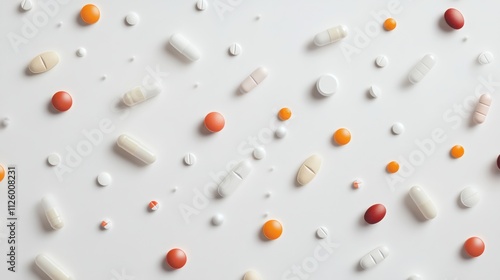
<point>375,91</point>
<point>189,159</point>
<point>54,159</point>
<point>485,57</point>
<point>252,275</point>
<point>218,219</point>
<point>132,19</point>
<point>81,52</point>
<point>281,131</point>
<point>381,61</point>
<point>398,128</point>
<point>322,232</point>
<point>327,85</point>
<point>470,197</point>
<point>104,179</point>
<point>259,153</point>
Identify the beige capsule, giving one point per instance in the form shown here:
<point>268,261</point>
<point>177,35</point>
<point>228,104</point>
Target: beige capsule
<point>43,62</point>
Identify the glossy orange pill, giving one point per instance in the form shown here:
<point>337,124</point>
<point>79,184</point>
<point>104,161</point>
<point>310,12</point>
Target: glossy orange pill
<point>90,14</point>
<point>2,173</point>
<point>62,101</point>
<point>389,24</point>
<point>342,136</point>
<point>176,258</point>
<point>285,114</point>
<point>272,229</point>
<point>457,151</point>
<point>392,167</point>
<point>214,121</point>
<point>474,246</point>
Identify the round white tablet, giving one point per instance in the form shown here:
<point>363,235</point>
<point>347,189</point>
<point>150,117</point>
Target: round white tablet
<point>259,153</point>
<point>54,159</point>
<point>235,49</point>
<point>485,57</point>
<point>470,197</point>
<point>201,5</point>
<point>81,52</point>
<point>218,219</point>
<point>27,5</point>
<point>189,159</point>
<point>327,85</point>
<point>375,91</point>
<point>132,19</point>
<point>381,61</point>
<point>104,179</point>
<point>322,232</point>
<point>398,128</point>
<point>252,275</point>
<point>281,132</point>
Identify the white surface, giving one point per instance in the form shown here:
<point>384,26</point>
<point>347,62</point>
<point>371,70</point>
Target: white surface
<point>281,40</point>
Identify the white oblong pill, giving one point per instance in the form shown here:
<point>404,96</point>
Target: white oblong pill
<point>327,85</point>
<point>485,57</point>
<point>470,197</point>
<point>375,91</point>
<point>381,61</point>
<point>423,67</point>
<point>26,5</point>
<point>201,5</point>
<point>482,108</point>
<point>398,128</point>
<point>322,232</point>
<point>53,216</point>
<point>136,149</point>
<point>185,47</point>
<point>140,94</point>
<point>234,178</point>
<point>43,62</point>
<point>308,170</point>
<point>54,159</point>
<point>281,131</point>
<point>104,179</point>
<point>53,270</point>
<point>259,153</point>
<point>374,257</point>
<point>331,35</point>
<point>423,202</point>
<point>254,79</point>
<point>252,275</point>
<point>132,19</point>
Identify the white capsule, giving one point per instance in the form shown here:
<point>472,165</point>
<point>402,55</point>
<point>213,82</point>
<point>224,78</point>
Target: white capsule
<point>234,178</point>
<point>381,61</point>
<point>375,91</point>
<point>53,270</point>
<point>374,257</point>
<point>327,85</point>
<point>136,149</point>
<point>422,68</point>
<point>485,57</point>
<point>183,46</point>
<point>482,108</point>
<point>331,35</point>
<point>423,202</point>
<point>254,79</point>
<point>140,94</point>
<point>52,214</point>
<point>470,197</point>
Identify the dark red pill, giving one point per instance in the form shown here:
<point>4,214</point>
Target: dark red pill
<point>375,213</point>
<point>498,161</point>
<point>62,101</point>
<point>454,18</point>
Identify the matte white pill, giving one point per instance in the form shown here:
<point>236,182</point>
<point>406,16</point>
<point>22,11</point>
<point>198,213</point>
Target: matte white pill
<point>375,91</point>
<point>485,57</point>
<point>26,5</point>
<point>54,159</point>
<point>43,62</point>
<point>252,275</point>
<point>423,202</point>
<point>470,197</point>
<point>189,159</point>
<point>257,76</point>
<point>423,67</point>
<point>235,49</point>
<point>53,216</point>
<point>259,153</point>
<point>234,178</point>
<point>327,85</point>
<point>322,232</point>
<point>81,52</point>
<point>53,270</point>
<point>132,19</point>
<point>217,219</point>
<point>104,179</point>
<point>140,94</point>
<point>281,131</point>
<point>136,149</point>
<point>308,170</point>
<point>381,61</point>
<point>185,47</point>
<point>374,257</point>
<point>398,128</point>
<point>482,108</point>
<point>415,277</point>
<point>201,5</point>
<point>106,224</point>
<point>331,35</point>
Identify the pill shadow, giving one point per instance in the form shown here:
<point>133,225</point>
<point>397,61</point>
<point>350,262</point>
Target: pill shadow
<point>463,253</point>
<point>262,237</point>
<point>311,46</point>
<point>176,53</point>
<point>165,265</point>
<point>361,221</point>
<point>315,94</point>
<point>358,267</point>
<point>51,109</point>
<point>122,153</point>
<point>43,219</point>
<point>443,25</point>
<point>203,130</point>
<point>368,95</point>
<point>37,271</point>
<point>79,20</point>
<point>20,9</point>
<point>405,83</point>
<point>28,72</point>
<point>414,209</point>
<point>460,204</point>
<point>494,168</point>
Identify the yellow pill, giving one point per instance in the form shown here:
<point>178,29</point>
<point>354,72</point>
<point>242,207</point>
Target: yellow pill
<point>457,151</point>
<point>392,167</point>
<point>284,114</point>
<point>389,24</point>
<point>342,136</point>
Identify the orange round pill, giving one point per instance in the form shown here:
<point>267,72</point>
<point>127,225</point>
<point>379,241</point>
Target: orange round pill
<point>389,24</point>
<point>342,136</point>
<point>2,173</point>
<point>214,121</point>
<point>457,151</point>
<point>176,258</point>
<point>284,114</point>
<point>272,229</point>
<point>90,14</point>
<point>62,101</point>
<point>392,167</point>
<point>474,246</point>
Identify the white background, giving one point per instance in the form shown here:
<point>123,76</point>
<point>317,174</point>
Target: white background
<point>171,124</point>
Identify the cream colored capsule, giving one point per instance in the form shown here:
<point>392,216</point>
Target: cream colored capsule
<point>43,62</point>
<point>482,108</point>
<point>309,169</point>
<point>254,79</point>
<point>53,270</point>
<point>331,35</point>
<point>51,212</point>
<point>140,94</point>
<point>136,149</point>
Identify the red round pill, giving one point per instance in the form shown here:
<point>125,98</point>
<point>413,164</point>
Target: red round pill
<point>214,122</point>
<point>62,101</point>
<point>176,258</point>
<point>474,246</point>
<point>454,18</point>
<point>375,213</point>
